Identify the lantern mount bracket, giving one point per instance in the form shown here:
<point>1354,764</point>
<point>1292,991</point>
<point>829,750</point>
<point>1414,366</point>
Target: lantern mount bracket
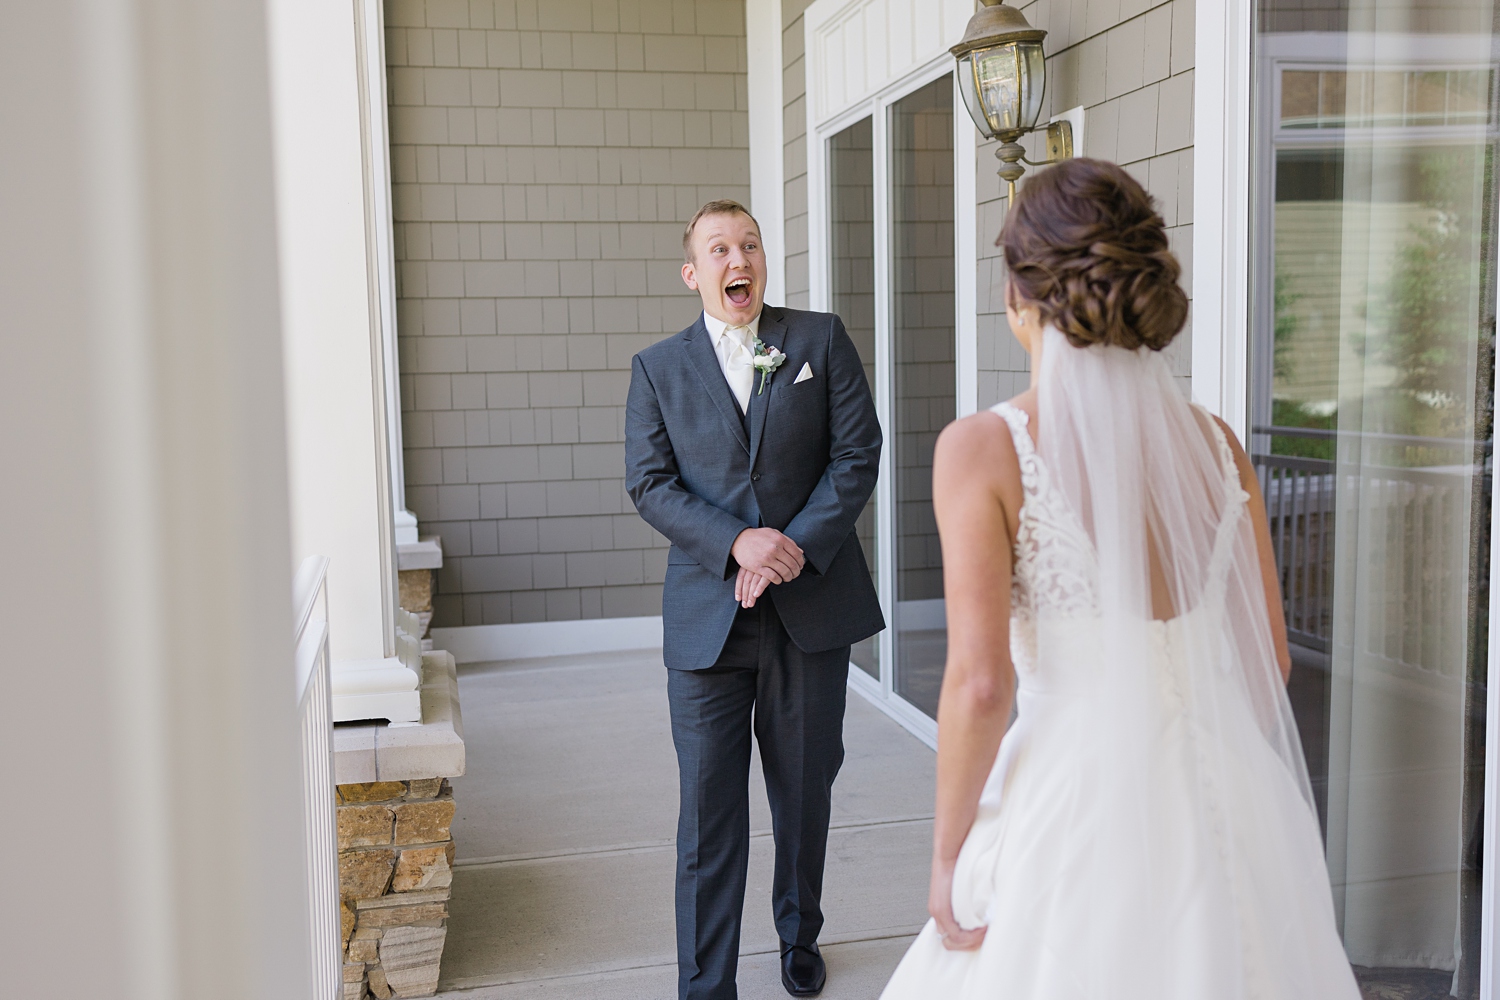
<point>1012,154</point>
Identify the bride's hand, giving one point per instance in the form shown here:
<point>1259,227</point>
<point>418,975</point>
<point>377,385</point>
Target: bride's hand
<point>940,906</point>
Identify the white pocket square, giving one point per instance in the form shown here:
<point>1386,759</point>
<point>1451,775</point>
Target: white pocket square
<point>804,374</point>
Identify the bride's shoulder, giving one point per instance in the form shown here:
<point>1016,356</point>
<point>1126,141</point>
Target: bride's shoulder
<point>975,465</point>
<point>980,445</point>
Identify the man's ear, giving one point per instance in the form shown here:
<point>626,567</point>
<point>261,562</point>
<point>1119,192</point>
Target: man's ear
<point>690,276</point>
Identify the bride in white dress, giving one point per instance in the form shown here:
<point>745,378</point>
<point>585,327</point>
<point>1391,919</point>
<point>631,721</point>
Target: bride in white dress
<point>1145,829</point>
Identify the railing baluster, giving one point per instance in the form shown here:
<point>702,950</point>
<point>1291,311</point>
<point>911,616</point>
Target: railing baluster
<point>1328,494</point>
<point>1282,480</point>
<point>1297,481</point>
<point>315,706</point>
<point>1298,498</point>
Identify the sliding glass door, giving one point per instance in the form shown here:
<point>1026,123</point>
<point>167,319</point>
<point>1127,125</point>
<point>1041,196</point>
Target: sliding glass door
<point>890,241</point>
<point>851,246</point>
<point>924,382</point>
<point>1372,383</point>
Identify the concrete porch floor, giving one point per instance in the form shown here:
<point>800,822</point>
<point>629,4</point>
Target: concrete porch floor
<point>564,833</point>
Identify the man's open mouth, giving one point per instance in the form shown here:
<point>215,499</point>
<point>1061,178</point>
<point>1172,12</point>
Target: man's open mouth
<point>738,291</point>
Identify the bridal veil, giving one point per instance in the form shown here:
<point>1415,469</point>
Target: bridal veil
<point>1183,637</point>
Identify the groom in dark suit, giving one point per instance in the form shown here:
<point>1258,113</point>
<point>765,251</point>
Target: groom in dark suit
<point>751,443</point>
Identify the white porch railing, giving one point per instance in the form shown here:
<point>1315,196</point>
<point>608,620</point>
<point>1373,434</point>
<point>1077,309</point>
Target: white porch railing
<point>315,710</point>
<point>1409,519</point>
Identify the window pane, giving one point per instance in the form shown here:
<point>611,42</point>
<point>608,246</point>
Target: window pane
<point>851,167</point>
<point>922,312</point>
<point>1372,368</point>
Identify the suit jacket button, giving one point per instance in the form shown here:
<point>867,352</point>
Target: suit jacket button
<point>755,478</point>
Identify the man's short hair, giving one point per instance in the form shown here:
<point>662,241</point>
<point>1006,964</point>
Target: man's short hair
<point>719,206</point>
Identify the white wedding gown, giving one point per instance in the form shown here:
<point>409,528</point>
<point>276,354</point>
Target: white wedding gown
<point>1214,889</point>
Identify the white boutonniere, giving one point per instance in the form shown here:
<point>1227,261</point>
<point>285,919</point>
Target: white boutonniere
<point>766,361</point>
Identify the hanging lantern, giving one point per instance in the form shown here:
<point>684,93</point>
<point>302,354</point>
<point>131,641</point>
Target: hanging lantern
<point>1002,75</point>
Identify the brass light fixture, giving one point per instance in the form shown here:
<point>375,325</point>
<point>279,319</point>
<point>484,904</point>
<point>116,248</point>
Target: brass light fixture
<point>1002,74</point>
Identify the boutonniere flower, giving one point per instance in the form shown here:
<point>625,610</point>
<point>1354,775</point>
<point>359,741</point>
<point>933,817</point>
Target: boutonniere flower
<point>766,361</point>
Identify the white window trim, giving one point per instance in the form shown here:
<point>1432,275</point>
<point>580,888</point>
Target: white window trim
<point>966,254</point>
<point>876,106</point>
<point>1221,200</point>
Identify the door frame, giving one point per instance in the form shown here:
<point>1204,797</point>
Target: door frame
<point>877,107</point>
<point>861,57</point>
<point>1224,172</point>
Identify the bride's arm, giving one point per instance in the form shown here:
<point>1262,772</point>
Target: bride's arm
<point>1250,483</point>
<point>976,482</point>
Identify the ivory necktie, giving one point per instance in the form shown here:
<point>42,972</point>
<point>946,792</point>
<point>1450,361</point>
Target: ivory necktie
<point>739,368</point>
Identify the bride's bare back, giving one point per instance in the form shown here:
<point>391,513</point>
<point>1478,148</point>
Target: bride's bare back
<point>1007,487</point>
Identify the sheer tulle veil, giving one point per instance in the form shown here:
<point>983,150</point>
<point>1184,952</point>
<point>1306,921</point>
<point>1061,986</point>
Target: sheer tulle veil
<point>1145,473</point>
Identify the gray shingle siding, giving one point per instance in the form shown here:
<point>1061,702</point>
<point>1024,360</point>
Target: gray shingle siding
<point>1129,63</point>
<point>544,156</point>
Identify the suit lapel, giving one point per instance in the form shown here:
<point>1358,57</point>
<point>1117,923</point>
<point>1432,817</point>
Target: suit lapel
<point>700,349</point>
<point>772,333</point>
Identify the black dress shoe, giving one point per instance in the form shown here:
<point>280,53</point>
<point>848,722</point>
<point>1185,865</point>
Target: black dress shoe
<point>802,970</point>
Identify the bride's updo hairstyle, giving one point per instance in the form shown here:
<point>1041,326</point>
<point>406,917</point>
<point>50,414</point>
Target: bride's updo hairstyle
<point>1085,244</point>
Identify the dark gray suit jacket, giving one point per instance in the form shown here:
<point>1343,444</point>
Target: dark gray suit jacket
<point>806,467</point>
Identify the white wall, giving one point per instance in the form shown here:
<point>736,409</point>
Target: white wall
<point>339,480</point>
<point>152,821</point>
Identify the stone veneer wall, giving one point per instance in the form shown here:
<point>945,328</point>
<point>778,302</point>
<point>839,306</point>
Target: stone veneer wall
<point>395,874</point>
<point>545,155</point>
<point>416,588</point>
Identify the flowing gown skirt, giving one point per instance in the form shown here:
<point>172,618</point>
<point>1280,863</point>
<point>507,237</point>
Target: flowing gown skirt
<point>1230,900</point>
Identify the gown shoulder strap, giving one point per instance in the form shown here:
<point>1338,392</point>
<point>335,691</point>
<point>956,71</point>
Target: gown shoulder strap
<point>1232,485</point>
<point>1018,420</point>
<point>1236,499</point>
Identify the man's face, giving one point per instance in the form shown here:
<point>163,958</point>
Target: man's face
<point>728,269</point>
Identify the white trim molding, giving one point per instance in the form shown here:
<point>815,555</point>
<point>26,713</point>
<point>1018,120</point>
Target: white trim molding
<point>435,749</point>
<point>767,137</point>
<point>965,256</point>
<point>862,57</point>
<point>374,115</point>
<point>1489,939</point>
<point>422,553</point>
<point>856,48</point>
<point>1075,118</point>
<point>1221,200</point>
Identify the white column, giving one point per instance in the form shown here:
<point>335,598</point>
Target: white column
<point>336,372</point>
<point>767,171</point>
<point>150,724</point>
<point>381,251</point>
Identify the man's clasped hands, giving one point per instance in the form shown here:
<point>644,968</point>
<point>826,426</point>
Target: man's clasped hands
<point>765,556</point>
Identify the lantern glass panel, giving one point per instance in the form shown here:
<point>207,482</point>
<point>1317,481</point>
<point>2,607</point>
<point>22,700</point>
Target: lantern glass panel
<point>1003,86</point>
<point>967,86</point>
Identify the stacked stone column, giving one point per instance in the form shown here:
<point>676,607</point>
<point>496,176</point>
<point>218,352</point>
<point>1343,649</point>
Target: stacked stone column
<point>395,874</point>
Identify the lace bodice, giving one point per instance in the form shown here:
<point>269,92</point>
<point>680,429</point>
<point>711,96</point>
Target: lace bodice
<point>1054,571</point>
<point>1053,566</point>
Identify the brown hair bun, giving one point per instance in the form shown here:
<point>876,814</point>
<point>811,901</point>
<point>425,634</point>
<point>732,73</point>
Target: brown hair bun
<point>1085,243</point>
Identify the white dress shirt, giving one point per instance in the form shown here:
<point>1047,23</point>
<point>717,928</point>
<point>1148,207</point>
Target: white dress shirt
<point>735,348</point>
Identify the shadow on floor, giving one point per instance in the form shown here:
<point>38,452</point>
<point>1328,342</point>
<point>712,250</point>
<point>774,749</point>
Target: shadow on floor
<point>563,880</point>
